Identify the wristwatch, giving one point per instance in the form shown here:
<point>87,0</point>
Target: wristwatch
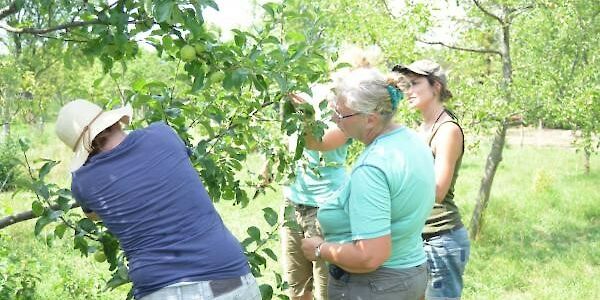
<point>318,250</point>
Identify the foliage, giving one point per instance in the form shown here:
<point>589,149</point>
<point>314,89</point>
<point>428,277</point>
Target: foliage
<point>17,280</point>
<point>10,165</point>
<point>559,79</point>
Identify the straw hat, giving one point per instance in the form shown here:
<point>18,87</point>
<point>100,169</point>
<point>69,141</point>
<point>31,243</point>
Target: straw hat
<point>80,121</point>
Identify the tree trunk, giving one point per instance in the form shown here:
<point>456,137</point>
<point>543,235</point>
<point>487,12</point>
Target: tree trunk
<point>493,160</point>
<point>522,134</point>
<point>41,124</point>
<point>586,162</point>
<point>5,129</point>
<point>495,156</point>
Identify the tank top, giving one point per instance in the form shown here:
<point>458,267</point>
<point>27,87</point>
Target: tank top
<point>445,216</point>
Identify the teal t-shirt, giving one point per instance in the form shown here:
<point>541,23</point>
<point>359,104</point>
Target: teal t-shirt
<point>318,176</point>
<point>390,191</point>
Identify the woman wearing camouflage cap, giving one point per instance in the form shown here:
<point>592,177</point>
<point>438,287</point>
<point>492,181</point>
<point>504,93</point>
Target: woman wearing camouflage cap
<point>445,239</point>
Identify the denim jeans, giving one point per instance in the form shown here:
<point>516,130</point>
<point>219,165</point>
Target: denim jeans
<point>201,290</point>
<point>447,256</point>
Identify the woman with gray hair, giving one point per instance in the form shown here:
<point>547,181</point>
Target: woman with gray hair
<point>373,227</point>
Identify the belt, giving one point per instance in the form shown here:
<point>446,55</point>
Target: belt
<point>224,286</point>
<point>336,272</point>
<point>428,236</point>
<point>302,206</point>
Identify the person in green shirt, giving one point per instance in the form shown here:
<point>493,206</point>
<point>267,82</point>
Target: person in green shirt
<point>373,227</point>
<point>318,174</point>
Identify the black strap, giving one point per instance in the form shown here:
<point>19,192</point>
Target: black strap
<point>454,120</point>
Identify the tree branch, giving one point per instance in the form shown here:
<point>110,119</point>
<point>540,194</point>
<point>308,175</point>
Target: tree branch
<point>62,39</point>
<point>517,11</point>
<point>487,12</point>
<point>26,215</point>
<point>488,51</point>
<point>387,8</point>
<point>49,29</point>
<point>9,10</point>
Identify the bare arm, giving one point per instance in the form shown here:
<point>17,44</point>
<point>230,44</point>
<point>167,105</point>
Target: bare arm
<point>362,256</point>
<point>448,145</point>
<point>332,139</point>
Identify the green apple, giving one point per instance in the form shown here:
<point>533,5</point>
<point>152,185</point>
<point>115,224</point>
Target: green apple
<point>199,49</point>
<point>99,256</point>
<point>188,53</point>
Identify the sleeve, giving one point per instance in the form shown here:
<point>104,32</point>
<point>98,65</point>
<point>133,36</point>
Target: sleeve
<point>78,197</point>
<point>369,205</point>
<point>171,131</point>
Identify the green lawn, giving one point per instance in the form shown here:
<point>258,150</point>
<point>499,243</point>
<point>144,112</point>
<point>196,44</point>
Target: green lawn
<point>540,238</point>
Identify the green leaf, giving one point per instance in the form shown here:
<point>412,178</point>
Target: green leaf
<point>323,105</point>
<point>46,169</point>
<point>122,271</point>
<point>270,253</point>
<point>148,7</point>
<point>271,40</point>
<point>138,85</point>
<point>266,291</point>
<point>41,189</point>
<point>212,4</point>
<point>270,8</point>
<point>37,208</point>
<point>299,149</point>
<point>41,223</point>
<point>87,225</point>
<point>79,242</point>
<point>235,79</point>
<point>60,229</point>
<point>163,10</point>
<point>254,233</point>
<point>299,52</point>
<point>270,216</point>
<point>63,203</point>
<point>240,40</point>
<point>24,143</point>
<point>116,281</point>
<point>260,83</point>
<point>283,86</point>
<point>173,112</point>
<point>198,82</point>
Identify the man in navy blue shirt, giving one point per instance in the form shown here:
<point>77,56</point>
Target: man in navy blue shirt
<point>147,193</point>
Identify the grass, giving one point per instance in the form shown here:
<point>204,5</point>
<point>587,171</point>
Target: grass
<point>540,237</point>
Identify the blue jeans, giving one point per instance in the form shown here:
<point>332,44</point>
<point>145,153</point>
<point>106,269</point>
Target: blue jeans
<point>447,255</point>
<point>202,290</point>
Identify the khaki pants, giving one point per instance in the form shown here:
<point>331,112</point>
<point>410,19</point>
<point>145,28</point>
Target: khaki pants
<point>301,274</point>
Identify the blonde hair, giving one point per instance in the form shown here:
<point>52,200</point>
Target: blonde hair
<point>363,87</point>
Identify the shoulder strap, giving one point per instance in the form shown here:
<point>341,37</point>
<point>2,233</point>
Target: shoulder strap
<point>454,120</point>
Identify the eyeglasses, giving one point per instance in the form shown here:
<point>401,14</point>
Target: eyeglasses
<point>338,116</point>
